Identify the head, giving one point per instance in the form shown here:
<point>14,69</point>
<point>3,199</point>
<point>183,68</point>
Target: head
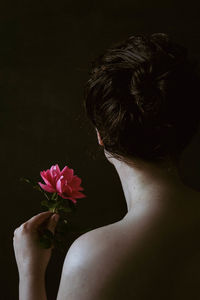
<point>142,98</point>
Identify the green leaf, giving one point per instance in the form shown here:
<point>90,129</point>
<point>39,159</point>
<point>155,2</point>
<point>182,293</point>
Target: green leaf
<point>53,205</point>
<point>46,233</point>
<point>37,187</point>
<point>46,238</point>
<point>66,209</point>
<point>45,203</point>
<point>45,243</point>
<point>24,179</point>
<point>54,196</point>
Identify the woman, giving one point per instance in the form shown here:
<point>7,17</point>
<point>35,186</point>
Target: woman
<point>142,98</point>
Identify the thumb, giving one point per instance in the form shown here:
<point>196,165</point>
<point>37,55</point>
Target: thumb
<point>52,222</point>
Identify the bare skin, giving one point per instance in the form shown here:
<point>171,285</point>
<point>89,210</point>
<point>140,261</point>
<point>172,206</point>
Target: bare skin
<point>162,229</point>
<point>138,258</point>
<point>166,259</point>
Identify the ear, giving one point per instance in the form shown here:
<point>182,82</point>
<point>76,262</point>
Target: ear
<point>99,138</point>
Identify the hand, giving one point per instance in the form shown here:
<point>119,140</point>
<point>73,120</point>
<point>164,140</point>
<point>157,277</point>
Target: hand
<point>31,258</point>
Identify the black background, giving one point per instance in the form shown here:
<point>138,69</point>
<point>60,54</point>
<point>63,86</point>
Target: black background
<point>45,52</point>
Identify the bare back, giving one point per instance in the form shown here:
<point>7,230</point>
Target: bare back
<point>162,262</point>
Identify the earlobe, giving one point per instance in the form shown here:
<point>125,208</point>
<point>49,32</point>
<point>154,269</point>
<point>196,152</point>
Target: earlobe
<point>99,138</point>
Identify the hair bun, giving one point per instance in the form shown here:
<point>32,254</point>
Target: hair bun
<point>145,90</point>
<point>143,97</point>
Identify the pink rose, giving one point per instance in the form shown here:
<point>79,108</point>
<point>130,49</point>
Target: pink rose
<point>64,183</point>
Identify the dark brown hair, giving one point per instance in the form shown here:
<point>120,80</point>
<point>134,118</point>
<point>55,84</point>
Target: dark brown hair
<point>143,97</point>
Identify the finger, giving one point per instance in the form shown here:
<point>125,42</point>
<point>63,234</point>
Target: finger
<point>37,220</point>
<point>53,222</point>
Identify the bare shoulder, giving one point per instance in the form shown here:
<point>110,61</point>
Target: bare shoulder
<point>91,245</point>
<point>91,265</point>
<point>107,263</point>
<point>126,260</point>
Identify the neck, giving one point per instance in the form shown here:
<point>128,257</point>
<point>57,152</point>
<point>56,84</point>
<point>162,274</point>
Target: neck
<point>147,186</point>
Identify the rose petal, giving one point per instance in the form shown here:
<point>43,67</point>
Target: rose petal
<point>47,188</point>
<point>54,172</point>
<point>67,190</point>
<point>43,175</point>
<point>73,200</point>
<point>49,177</point>
<point>76,194</point>
<point>57,169</point>
<point>80,188</point>
<point>66,197</point>
<point>59,186</point>
<point>67,173</point>
<point>75,182</point>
